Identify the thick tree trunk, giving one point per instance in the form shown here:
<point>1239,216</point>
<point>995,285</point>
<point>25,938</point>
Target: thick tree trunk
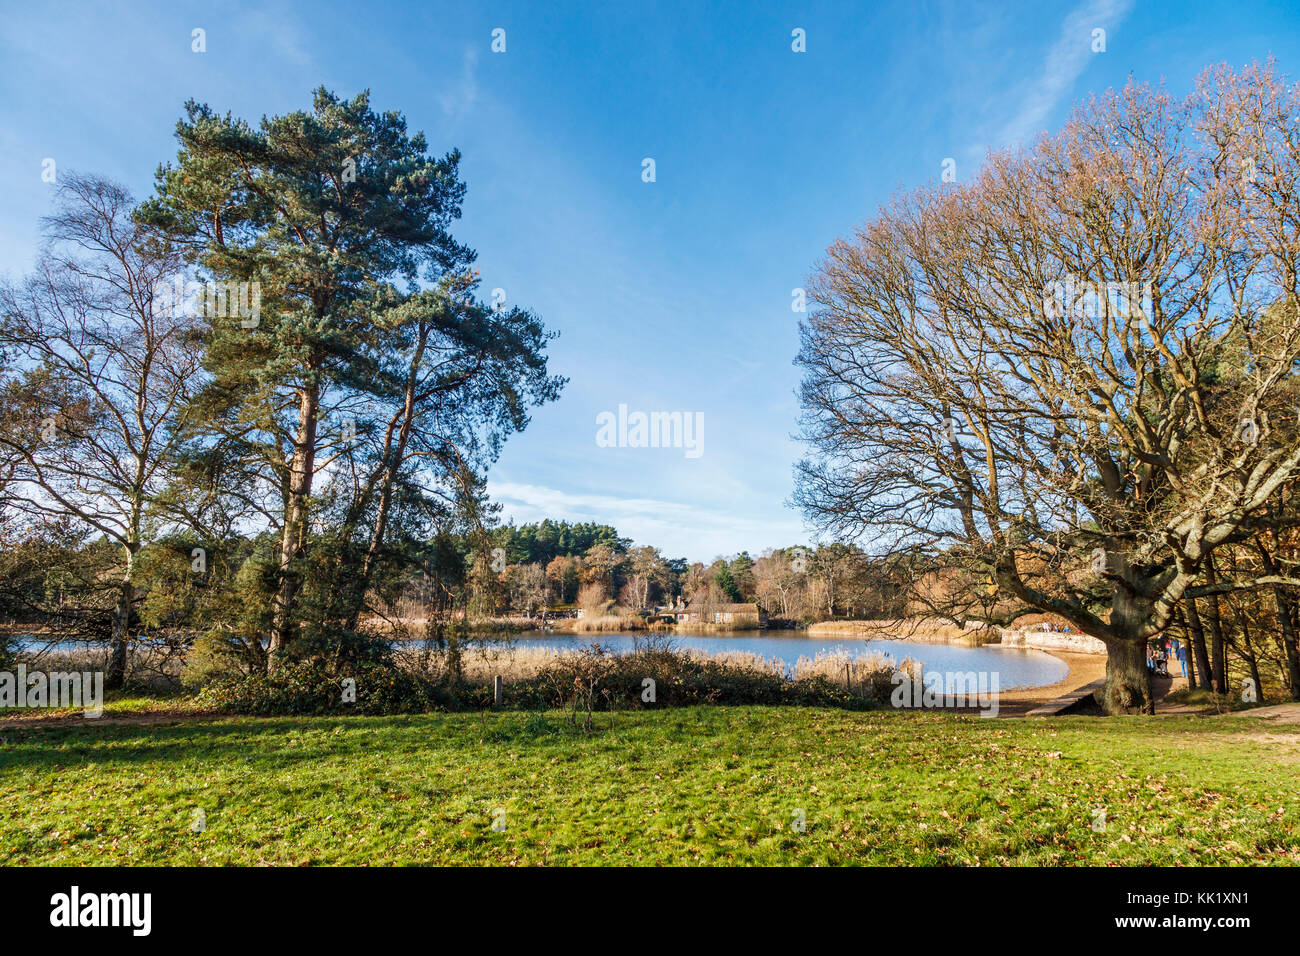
<point>1198,644</point>
<point>295,523</point>
<point>1128,682</point>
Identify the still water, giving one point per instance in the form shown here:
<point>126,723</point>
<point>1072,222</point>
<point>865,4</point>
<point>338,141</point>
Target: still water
<point>1015,666</point>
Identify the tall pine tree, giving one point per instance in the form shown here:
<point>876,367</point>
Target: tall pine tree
<point>325,214</point>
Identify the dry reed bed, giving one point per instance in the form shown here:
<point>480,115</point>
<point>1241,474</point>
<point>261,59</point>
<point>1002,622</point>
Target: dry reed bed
<point>482,664</point>
<point>595,625</point>
<point>148,664</point>
<point>919,630</point>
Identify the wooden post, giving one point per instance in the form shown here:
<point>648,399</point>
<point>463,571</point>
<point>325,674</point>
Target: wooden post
<point>496,690</point>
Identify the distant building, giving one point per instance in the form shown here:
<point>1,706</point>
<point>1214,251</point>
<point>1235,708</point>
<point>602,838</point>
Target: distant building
<point>736,615</point>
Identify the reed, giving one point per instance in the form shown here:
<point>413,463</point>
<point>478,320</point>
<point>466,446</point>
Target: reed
<point>864,675</point>
<point>920,630</point>
<point>608,623</point>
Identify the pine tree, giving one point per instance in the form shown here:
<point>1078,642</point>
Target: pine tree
<point>322,213</point>
<point>726,583</point>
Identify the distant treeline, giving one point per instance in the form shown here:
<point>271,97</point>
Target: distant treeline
<point>557,563</point>
<point>547,539</point>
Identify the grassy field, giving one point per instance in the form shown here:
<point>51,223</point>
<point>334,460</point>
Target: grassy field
<point>691,786</point>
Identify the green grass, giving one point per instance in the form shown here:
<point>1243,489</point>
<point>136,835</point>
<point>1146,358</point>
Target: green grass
<point>698,785</point>
<point>117,703</point>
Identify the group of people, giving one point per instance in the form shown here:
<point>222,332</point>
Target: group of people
<point>1159,652</point>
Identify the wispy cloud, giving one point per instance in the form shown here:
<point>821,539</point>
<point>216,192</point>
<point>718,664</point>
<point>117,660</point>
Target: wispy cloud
<point>1065,62</point>
<point>677,529</point>
<point>462,95</point>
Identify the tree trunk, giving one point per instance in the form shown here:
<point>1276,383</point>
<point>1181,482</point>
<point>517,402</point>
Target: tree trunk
<point>1198,644</point>
<point>1251,659</point>
<point>377,537</point>
<point>1218,661</point>
<point>295,523</point>
<point>1288,640</point>
<point>115,677</point>
<point>1287,624</point>
<point>1128,682</point>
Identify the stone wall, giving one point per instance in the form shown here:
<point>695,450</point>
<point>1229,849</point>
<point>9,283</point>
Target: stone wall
<point>1052,641</point>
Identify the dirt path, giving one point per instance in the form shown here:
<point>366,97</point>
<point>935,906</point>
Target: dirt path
<point>1161,688</point>
<point>1278,713</point>
<point>63,718</point>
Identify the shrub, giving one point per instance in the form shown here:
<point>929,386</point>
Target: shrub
<point>597,680</point>
<point>579,684</point>
<point>318,687</point>
<point>213,657</point>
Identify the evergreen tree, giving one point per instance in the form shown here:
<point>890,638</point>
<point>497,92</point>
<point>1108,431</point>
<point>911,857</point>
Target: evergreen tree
<point>726,583</point>
<point>324,213</point>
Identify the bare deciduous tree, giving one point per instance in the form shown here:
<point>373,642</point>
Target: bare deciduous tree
<point>102,371</point>
<point>1072,378</point>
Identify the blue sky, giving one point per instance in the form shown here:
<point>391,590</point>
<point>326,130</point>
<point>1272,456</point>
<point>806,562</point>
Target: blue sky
<point>670,296</point>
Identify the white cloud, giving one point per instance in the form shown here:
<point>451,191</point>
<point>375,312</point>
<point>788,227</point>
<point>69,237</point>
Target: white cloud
<point>1065,62</point>
<point>677,529</point>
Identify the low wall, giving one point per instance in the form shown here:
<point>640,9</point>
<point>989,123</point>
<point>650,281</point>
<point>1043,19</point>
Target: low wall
<point>1053,641</point>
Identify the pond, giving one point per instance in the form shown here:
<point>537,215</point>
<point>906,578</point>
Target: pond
<point>33,642</point>
<point>1015,666</point>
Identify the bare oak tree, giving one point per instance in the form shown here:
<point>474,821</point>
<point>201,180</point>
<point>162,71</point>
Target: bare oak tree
<point>1072,379</point>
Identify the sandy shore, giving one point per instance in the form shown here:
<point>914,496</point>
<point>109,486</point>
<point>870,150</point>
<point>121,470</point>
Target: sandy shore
<point>1084,669</point>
